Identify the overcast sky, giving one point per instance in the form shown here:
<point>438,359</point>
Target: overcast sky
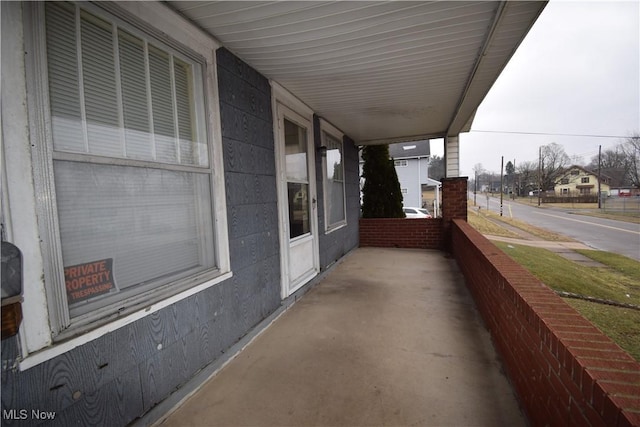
<point>577,72</point>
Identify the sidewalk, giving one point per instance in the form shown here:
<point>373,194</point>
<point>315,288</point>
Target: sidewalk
<point>389,337</point>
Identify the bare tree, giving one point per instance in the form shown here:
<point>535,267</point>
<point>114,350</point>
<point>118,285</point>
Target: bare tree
<point>631,150</point>
<point>478,170</point>
<point>528,176</point>
<point>554,161</point>
<point>436,167</point>
<point>610,159</point>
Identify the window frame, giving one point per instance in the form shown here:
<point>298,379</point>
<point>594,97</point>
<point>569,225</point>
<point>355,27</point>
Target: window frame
<point>402,163</point>
<point>329,129</point>
<point>157,23</point>
<point>584,180</point>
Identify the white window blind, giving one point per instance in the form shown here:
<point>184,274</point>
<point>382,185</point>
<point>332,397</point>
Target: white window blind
<point>131,168</point>
<point>116,94</point>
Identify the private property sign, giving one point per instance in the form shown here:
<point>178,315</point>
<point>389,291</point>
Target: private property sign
<point>88,280</point>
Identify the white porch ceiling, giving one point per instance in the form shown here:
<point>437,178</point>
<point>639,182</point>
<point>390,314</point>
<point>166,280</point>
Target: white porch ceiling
<point>379,71</point>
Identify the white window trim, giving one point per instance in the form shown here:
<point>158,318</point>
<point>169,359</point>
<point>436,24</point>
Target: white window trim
<point>336,133</point>
<point>401,163</point>
<point>38,332</point>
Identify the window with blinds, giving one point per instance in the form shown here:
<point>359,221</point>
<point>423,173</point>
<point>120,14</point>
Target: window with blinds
<point>133,181</point>
<point>334,194</point>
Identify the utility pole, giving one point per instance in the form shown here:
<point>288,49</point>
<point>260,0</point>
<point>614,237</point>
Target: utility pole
<point>539,173</point>
<point>475,188</point>
<point>501,182</point>
<point>599,177</point>
<point>513,184</point>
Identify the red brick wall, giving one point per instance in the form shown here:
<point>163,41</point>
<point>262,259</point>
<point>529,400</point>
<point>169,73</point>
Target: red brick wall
<point>401,233</point>
<point>454,205</point>
<point>564,370</point>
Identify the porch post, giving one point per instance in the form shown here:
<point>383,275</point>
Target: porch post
<point>454,205</point>
<point>451,156</point>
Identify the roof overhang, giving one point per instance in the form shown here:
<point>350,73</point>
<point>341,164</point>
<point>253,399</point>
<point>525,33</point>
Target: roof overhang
<point>381,72</point>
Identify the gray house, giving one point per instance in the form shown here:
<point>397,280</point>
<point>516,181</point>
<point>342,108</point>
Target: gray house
<point>411,160</point>
<point>174,173</point>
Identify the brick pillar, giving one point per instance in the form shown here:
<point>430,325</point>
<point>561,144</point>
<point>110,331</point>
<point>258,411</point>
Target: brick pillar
<point>454,205</point>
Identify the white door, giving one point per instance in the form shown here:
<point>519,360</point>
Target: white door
<point>296,200</point>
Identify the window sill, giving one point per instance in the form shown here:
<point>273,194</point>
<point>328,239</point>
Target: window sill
<point>335,227</point>
<point>55,350</point>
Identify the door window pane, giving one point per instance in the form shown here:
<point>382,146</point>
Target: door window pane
<point>298,209</point>
<point>295,141</point>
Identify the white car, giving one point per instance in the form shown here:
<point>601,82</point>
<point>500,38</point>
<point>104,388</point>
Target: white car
<point>417,213</point>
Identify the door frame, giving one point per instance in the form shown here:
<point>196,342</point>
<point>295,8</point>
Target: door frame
<point>286,105</point>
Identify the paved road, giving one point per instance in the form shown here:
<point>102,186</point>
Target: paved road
<point>599,233</point>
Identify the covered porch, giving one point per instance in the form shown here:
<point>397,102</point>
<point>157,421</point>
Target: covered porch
<point>383,336</point>
<point>387,337</point>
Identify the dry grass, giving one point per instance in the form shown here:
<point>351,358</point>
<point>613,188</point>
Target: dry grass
<point>631,217</point>
<point>541,233</point>
<point>484,226</point>
<point>579,206</point>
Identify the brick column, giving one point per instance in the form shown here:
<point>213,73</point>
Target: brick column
<point>454,205</point>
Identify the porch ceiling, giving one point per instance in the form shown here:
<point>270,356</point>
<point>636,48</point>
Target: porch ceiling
<point>380,71</point>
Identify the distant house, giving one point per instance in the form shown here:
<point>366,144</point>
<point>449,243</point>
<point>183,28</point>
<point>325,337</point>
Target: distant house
<point>578,181</point>
<point>431,196</point>
<point>411,160</point>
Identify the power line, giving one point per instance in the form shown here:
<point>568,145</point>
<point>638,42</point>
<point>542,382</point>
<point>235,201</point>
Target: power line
<point>550,134</point>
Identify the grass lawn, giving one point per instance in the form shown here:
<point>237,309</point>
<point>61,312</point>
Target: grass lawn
<point>561,274</point>
<point>623,264</point>
<point>618,282</point>
<point>622,325</point>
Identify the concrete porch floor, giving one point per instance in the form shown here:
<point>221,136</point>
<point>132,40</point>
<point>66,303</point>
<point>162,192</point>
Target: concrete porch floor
<point>388,337</point>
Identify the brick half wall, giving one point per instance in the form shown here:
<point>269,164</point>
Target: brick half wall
<point>564,370</point>
<point>419,233</point>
